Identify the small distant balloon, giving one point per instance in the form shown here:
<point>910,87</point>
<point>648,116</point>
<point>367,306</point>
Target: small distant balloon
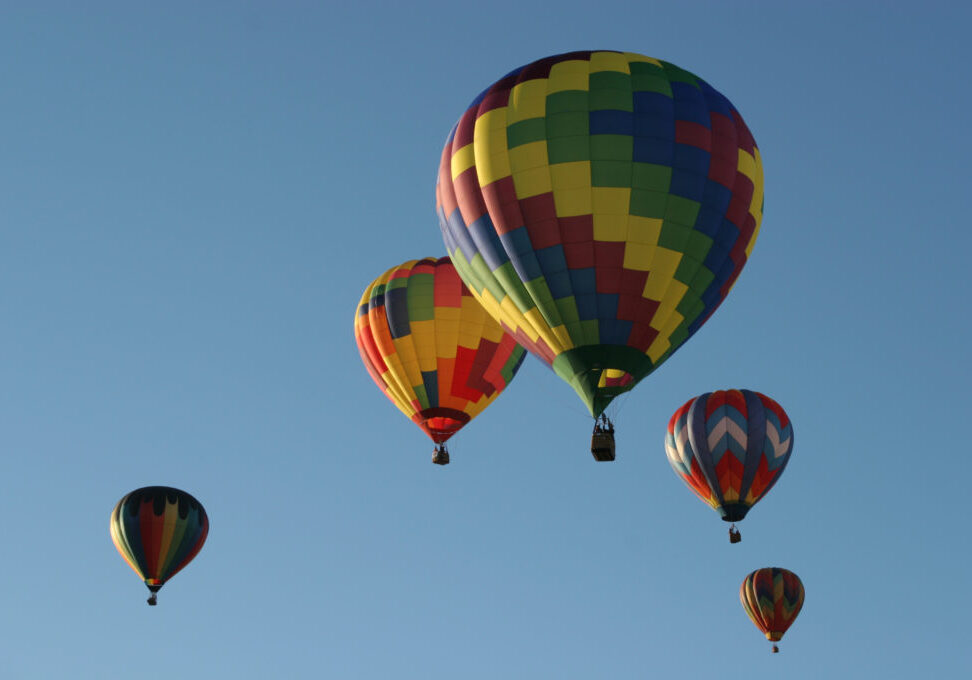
<point>772,597</point>
<point>158,530</point>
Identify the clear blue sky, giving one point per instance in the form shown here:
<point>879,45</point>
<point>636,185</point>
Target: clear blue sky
<point>192,200</point>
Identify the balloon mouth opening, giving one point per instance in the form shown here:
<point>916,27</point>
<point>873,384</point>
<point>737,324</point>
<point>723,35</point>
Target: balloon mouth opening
<point>441,423</point>
<point>609,383</point>
<point>615,378</point>
<point>599,373</point>
<point>441,431</point>
<point>733,512</point>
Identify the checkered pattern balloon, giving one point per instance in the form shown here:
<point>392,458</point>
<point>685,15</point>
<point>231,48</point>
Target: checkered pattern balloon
<point>729,447</point>
<point>772,597</point>
<point>601,206</point>
<point>431,348</point>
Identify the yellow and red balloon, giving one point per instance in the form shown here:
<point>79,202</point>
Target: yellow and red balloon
<point>431,347</point>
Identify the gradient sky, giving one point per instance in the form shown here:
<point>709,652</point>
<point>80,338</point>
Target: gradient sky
<point>194,198</point>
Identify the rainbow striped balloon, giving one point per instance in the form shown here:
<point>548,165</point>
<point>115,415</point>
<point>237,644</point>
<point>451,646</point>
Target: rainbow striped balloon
<point>431,347</point>
<point>772,597</point>
<point>600,205</point>
<point>158,530</point>
<point>730,447</point>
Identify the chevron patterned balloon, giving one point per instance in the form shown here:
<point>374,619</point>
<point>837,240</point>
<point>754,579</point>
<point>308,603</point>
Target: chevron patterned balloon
<point>772,597</point>
<point>730,447</point>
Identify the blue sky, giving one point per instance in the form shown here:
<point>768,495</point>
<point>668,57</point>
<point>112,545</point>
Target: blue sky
<point>194,199</point>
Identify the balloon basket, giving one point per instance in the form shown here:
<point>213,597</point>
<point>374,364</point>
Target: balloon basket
<point>776,650</point>
<point>152,601</point>
<point>602,440</point>
<point>441,455</point>
<point>602,447</point>
<point>734,535</point>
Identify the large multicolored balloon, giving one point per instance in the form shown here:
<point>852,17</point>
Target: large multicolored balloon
<point>772,597</point>
<point>730,447</point>
<point>431,347</point>
<point>600,205</point>
<point>158,530</point>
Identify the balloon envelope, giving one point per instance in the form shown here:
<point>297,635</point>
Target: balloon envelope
<point>158,530</point>
<point>730,447</point>
<point>600,205</point>
<point>772,597</point>
<point>431,347</point>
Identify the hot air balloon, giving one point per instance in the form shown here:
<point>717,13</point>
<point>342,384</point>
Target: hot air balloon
<point>772,597</point>
<point>730,447</point>
<point>600,205</point>
<point>158,530</point>
<point>432,349</point>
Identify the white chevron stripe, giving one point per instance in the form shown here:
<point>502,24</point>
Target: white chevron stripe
<point>682,437</point>
<point>676,456</point>
<point>674,459</point>
<point>727,425</point>
<point>678,450</point>
<point>773,435</point>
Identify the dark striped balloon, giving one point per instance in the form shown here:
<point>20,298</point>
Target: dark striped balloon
<point>158,530</point>
<point>772,597</point>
